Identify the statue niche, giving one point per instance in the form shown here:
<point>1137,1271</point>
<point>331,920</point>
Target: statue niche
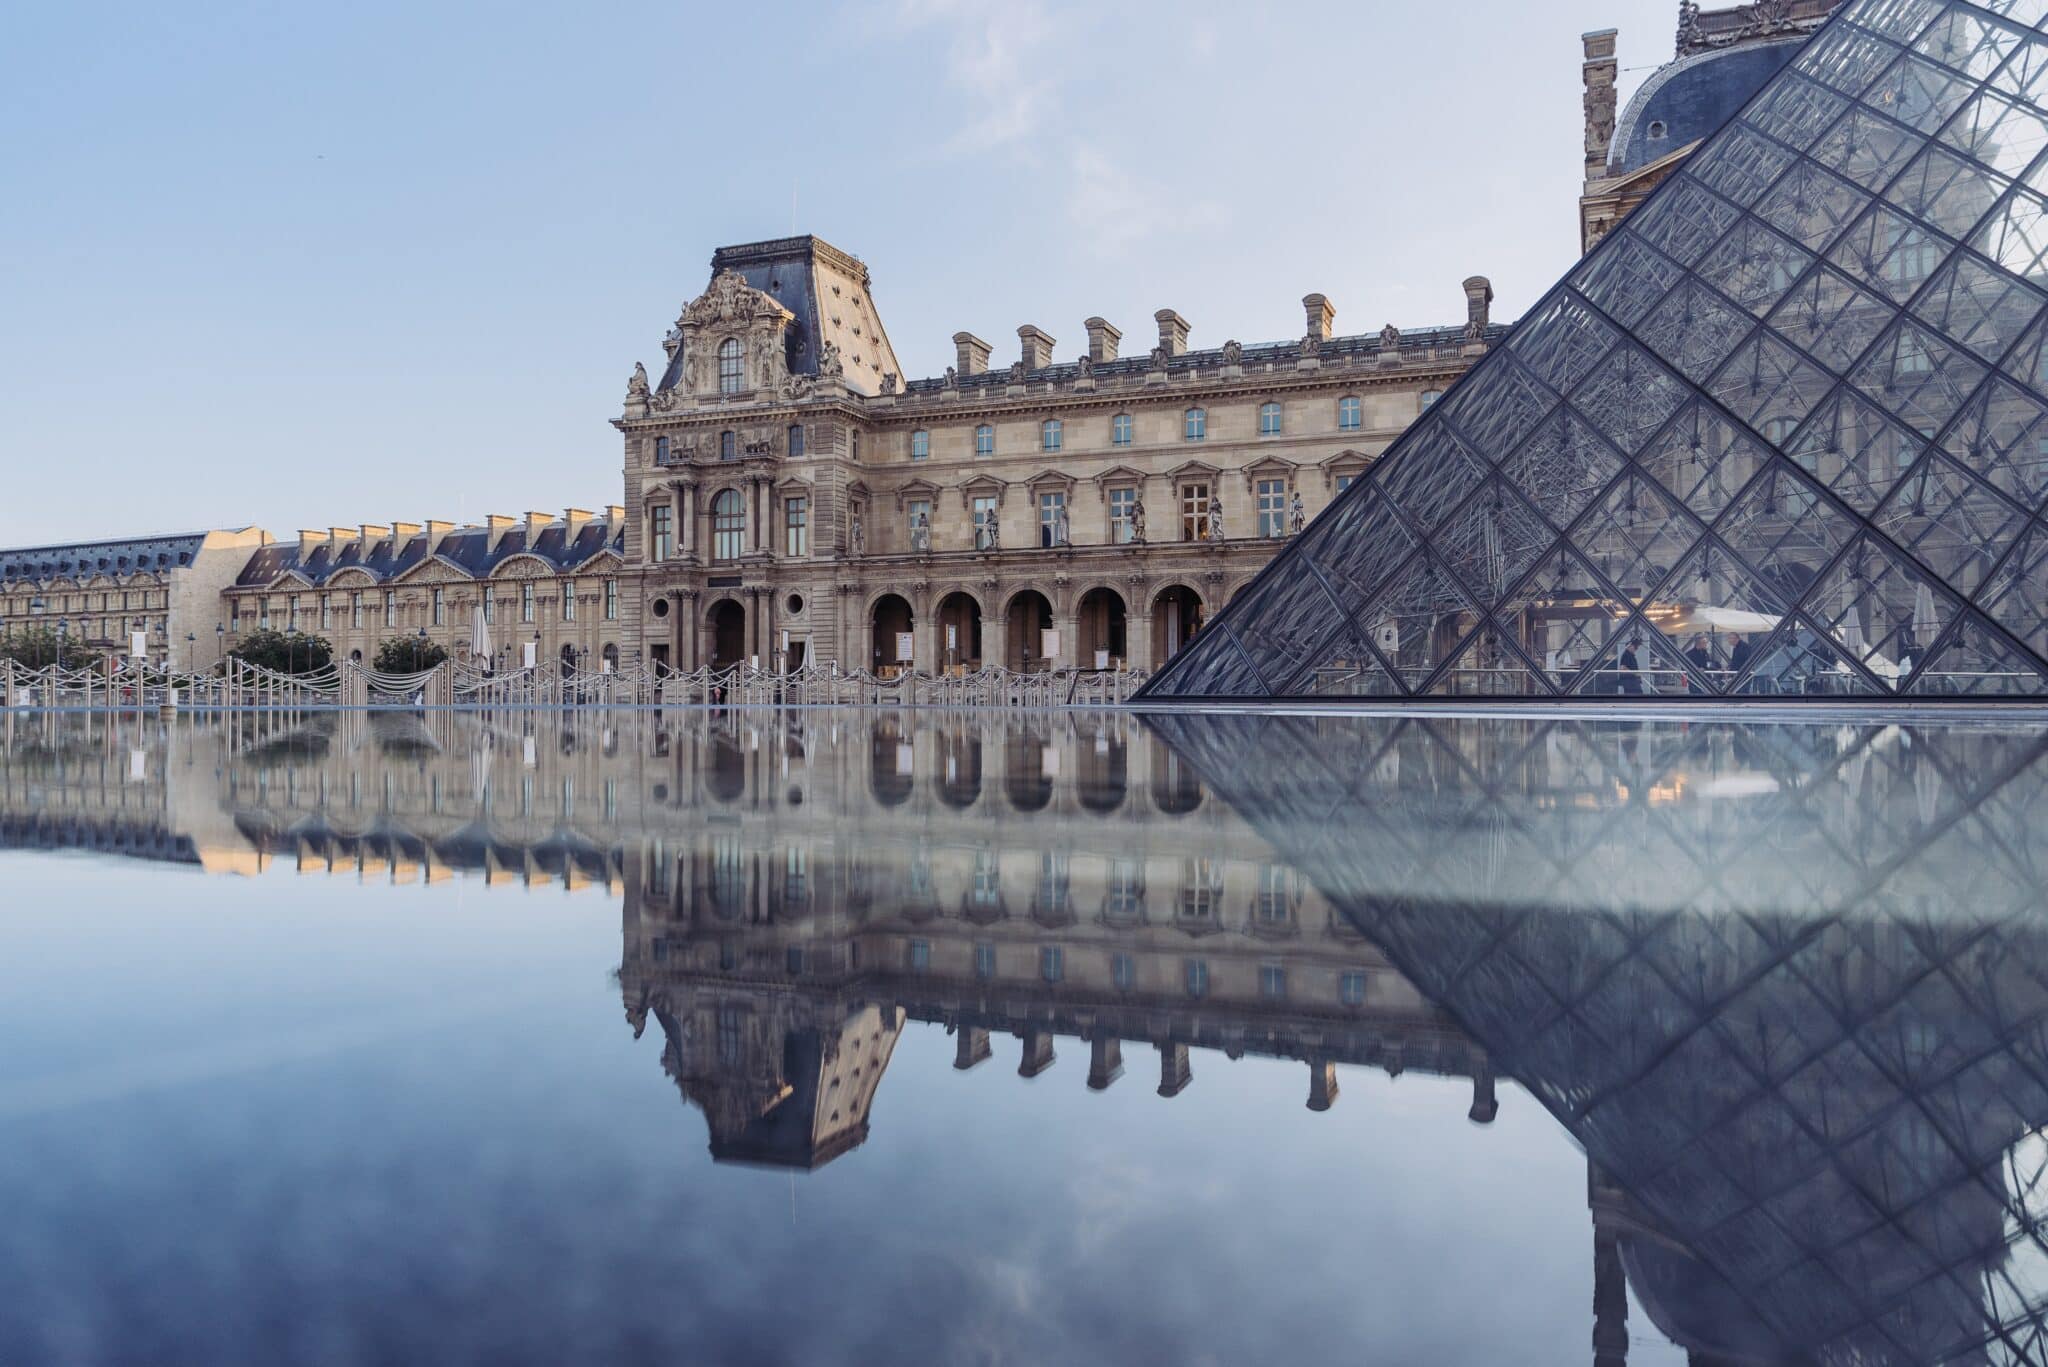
<point>732,311</point>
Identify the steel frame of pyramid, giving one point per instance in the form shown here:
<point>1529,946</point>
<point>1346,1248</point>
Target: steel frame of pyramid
<point>1782,435</point>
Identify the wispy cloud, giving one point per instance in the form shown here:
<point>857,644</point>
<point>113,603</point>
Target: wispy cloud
<point>1115,209</point>
<point>997,57</point>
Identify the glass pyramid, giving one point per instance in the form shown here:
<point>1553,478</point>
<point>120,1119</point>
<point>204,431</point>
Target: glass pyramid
<point>1784,433</point>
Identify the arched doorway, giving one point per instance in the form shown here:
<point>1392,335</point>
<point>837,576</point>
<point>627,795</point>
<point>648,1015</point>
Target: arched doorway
<point>568,660</point>
<point>728,622</point>
<point>959,769</point>
<point>891,622</point>
<point>959,632</point>
<point>1103,629</point>
<point>1030,617</point>
<point>1176,617</point>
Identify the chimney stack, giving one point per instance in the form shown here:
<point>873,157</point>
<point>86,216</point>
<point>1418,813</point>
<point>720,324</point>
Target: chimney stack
<point>402,532</point>
<point>309,538</point>
<point>1479,300</point>
<point>498,524</point>
<point>436,530</point>
<point>534,523</point>
<point>575,519</point>
<point>614,513</point>
<point>1102,340</point>
<point>1038,344</point>
<point>1173,332</point>
<point>1322,316</point>
<point>337,535</point>
<point>372,534</point>
<point>971,354</point>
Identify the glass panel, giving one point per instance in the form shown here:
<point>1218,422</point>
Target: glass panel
<point>1629,397</point>
<point>1832,318</point>
<point>1896,19</point>
<point>1284,617</point>
<point>1754,266</point>
<point>1695,329</point>
<point>1800,661</point>
<point>1956,526</point>
<point>1975,662</point>
<point>1639,662</point>
<point>1486,667</point>
<point>1985,310</point>
<point>1967,43</point>
<point>1419,620</point>
<point>1561,340</point>
<point>1876,608</point>
<point>1867,149</point>
<point>1635,535</point>
<point>1844,58</point>
<point>1683,220</point>
<point>2026,73</point>
<point>2028,361</point>
<point>1770,386</point>
<point>1356,545</point>
<point>1855,450</point>
<point>1344,667</point>
<point>1998,132</point>
<point>1715,612</point>
<point>1435,473</point>
<point>1740,164</point>
<point>2017,595</point>
<point>2003,437</point>
<point>1947,191</point>
<point>1562,617</point>
<point>2015,236</point>
<point>1812,205</point>
<point>1212,666</point>
<point>1919,377</point>
<point>1891,252</point>
<point>1704,459</point>
<point>1492,540</point>
<point>1498,405</point>
<point>1562,467</point>
<point>1783,532</point>
<point>1796,111</point>
<point>1626,276</point>
<point>1918,93</point>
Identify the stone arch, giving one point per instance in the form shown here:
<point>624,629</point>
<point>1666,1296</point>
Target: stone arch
<point>1101,628</point>
<point>890,617</point>
<point>960,611</point>
<point>725,632</point>
<point>1026,615</point>
<point>1177,611</point>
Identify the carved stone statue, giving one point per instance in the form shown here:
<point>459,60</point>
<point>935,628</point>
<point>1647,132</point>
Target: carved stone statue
<point>1311,346</point>
<point>765,347</point>
<point>920,534</point>
<point>989,530</point>
<point>952,378</point>
<point>830,367</point>
<point>1390,338</point>
<point>1297,516</point>
<point>1085,367</point>
<point>1216,519</point>
<point>889,382</point>
<point>693,373</point>
<point>1475,331</point>
<point>860,535</point>
<point>1059,525</point>
<point>1233,353</point>
<point>1138,521</point>
<point>1017,372</point>
<point>636,388</point>
<point>1159,358</point>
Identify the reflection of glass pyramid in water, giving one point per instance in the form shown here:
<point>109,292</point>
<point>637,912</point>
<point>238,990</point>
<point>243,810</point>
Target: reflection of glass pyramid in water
<point>1785,431</point>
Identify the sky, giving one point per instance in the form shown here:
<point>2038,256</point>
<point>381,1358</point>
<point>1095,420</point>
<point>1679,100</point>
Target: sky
<point>299,266</point>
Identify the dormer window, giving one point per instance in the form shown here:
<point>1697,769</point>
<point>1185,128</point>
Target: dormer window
<point>1657,130</point>
<point>731,369</point>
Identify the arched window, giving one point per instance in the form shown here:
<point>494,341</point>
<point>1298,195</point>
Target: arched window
<point>728,446</point>
<point>1269,419</point>
<point>920,445</point>
<point>1429,398</point>
<point>728,525</point>
<point>1350,413</point>
<point>1195,424</point>
<point>731,369</point>
<point>1120,430</point>
<point>984,440</point>
<point>1050,434</point>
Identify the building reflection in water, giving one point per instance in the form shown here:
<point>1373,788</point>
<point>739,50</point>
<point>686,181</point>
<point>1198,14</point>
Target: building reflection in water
<point>1785,985</point>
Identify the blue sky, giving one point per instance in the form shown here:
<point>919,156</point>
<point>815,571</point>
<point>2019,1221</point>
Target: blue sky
<point>295,265</point>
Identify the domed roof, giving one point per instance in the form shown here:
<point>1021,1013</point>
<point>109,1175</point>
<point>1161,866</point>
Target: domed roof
<point>1692,97</point>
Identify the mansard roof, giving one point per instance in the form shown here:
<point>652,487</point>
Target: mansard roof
<point>467,549</point>
<point>147,554</point>
<point>1780,434</point>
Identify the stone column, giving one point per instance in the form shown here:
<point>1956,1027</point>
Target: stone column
<point>1038,1055</point>
<point>1137,629</point>
<point>686,521</point>
<point>760,488</point>
<point>1322,1085</point>
<point>1105,1062</point>
<point>970,1047</point>
<point>995,641</point>
<point>1174,1072</point>
<point>1069,629</point>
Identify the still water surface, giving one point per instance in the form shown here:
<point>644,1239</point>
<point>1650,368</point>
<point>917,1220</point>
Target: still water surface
<point>872,1037</point>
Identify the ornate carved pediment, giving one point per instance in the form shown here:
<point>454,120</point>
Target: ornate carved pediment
<point>915,488</point>
<point>1118,477</point>
<point>729,300</point>
<point>731,311</point>
<point>985,486</point>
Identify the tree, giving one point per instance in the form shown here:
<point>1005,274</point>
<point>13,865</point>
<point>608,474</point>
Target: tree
<point>286,652</point>
<point>408,655</point>
<point>40,647</point>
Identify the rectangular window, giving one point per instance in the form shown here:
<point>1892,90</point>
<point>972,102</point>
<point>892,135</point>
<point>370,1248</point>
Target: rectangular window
<point>1120,430</point>
<point>919,526</point>
<point>355,610</point>
<point>920,445</point>
<point>440,607</point>
<point>1197,976</point>
<point>796,533</point>
<point>490,608</point>
<point>1121,503</point>
<point>1052,963</point>
<point>1052,519</point>
<point>568,602</point>
<point>1123,971</point>
<point>984,521</point>
<point>920,955</point>
<point>984,961</point>
<point>1351,989</point>
<point>984,440</point>
<point>1272,982</point>
<point>796,441</point>
<point>526,601</point>
<point>294,619</point>
<point>661,450</point>
<point>1272,507</point>
<point>1052,434</point>
<point>390,608</point>
<point>1344,482</point>
<point>611,600</point>
<point>326,613</point>
<point>1194,512</point>
<point>1350,414</point>
<point>662,526</point>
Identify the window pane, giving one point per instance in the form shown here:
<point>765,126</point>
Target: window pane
<point>2003,437</point>
<point>1629,397</point>
<point>1695,329</point>
<point>1854,450</point>
<point>1832,318</point>
<point>1499,405</point>
<point>1562,467</point>
<point>1626,277</point>
<point>1562,340</point>
<point>1419,620</point>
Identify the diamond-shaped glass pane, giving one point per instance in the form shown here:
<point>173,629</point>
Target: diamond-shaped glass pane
<point>1855,450</point>
<point>1629,397</point>
<point>1832,318</point>
<point>1754,266</point>
<point>2015,237</point>
<point>1487,667</point>
<point>1716,611</point>
<point>1898,20</point>
<point>1975,662</point>
<point>1801,661</point>
<point>1876,609</point>
<point>1866,148</point>
<point>1639,662</point>
<point>1918,93</point>
<point>1562,467</point>
<point>2002,436</point>
<point>1344,667</point>
<point>1496,407</point>
<point>1356,545</point>
<point>1947,190</point>
<point>1984,309</point>
<point>1435,473</point>
<point>1797,111</point>
<point>2025,73</point>
<point>1998,132</point>
<point>1704,459</point>
<point>1562,617</point>
<point>1213,666</point>
<point>1490,541</point>
<point>1635,535</point>
<point>1844,58</point>
<point>1812,205</point>
<point>1741,164</point>
<point>1695,329</point>
<point>1891,252</point>
<point>2017,595</point>
<point>1561,340</point>
<point>1953,524</point>
<point>1287,614</point>
<point>1683,221</point>
<point>1626,276</point>
<point>1419,620</point>
<point>1918,377</point>
<point>1770,386</point>
<point>1783,531</point>
<point>1967,43</point>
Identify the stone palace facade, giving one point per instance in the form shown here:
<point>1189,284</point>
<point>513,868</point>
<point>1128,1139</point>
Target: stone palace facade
<point>791,500</point>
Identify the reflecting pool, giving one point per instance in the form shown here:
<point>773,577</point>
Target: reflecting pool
<point>843,1037</point>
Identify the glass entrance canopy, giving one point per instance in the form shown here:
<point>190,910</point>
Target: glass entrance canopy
<point>1783,434</point>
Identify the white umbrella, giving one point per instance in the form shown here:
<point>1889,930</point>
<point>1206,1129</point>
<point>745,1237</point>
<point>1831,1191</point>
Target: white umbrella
<point>1925,624</point>
<point>1852,622</point>
<point>479,635</point>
